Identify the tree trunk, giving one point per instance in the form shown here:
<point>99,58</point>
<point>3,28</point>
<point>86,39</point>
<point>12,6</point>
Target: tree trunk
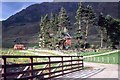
<point>86,34</point>
<point>79,26</point>
<point>101,41</point>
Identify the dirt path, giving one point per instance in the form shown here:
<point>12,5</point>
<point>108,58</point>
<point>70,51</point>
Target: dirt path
<point>44,52</point>
<point>98,70</point>
<point>110,70</point>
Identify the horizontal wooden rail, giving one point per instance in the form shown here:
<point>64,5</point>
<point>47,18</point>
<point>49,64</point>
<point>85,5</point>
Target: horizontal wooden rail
<point>20,72</point>
<point>38,63</point>
<point>75,64</point>
<point>16,56</point>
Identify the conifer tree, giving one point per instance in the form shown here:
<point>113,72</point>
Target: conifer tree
<point>43,31</point>
<point>102,23</point>
<point>64,22</point>
<point>89,20</point>
<point>78,24</point>
<point>53,29</point>
<point>41,34</point>
<point>54,23</point>
<point>63,25</point>
<point>113,31</point>
<point>85,17</point>
<point>78,17</point>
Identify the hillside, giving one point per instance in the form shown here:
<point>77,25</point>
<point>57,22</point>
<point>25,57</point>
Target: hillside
<point>25,24</point>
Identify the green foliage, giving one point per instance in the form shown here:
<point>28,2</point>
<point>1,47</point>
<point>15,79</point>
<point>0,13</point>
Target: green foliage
<point>51,28</point>
<point>85,16</point>
<point>53,23</point>
<point>113,30</point>
<point>63,20</point>
<point>44,26</point>
<point>94,53</point>
<point>110,27</point>
<point>102,22</point>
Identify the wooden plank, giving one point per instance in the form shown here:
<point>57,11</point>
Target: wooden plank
<point>31,67</point>
<point>62,64</point>
<point>15,56</point>
<point>28,71</point>
<point>31,64</point>
<point>4,69</point>
<point>22,73</point>
<point>37,63</point>
<point>49,65</point>
<point>62,74</point>
<point>29,77</point>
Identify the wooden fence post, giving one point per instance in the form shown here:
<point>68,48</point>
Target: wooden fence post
<point>31,67</point>
<point>62,64</point>
<point>4,69</point>
<point>49,67</point>
<point>78,62</point>
<point>74,63</point>
<point>71,63</point>
<point>82,62</point>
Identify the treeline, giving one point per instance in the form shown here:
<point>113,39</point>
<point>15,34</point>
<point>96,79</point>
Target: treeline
<point>53,28</point>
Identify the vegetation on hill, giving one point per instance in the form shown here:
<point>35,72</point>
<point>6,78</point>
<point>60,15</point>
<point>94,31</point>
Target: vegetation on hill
<point>109,29</point>
<point>25,24</point>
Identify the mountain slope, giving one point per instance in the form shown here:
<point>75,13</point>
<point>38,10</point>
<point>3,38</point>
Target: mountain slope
<point>26,22</point>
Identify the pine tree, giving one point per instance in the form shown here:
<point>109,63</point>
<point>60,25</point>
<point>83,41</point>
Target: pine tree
<point>102,23</point>
<point>113,31</point>
<point>85,17</point>
<point>78,24</point>
<point>64,22</point>
<point>63,25</point>
<point>54,23</point>
<point>78,17</point>
<point>110,31</point>
<point>89,20</point>
<point>44,23</point>
<point>53,29</point>
<point>41,41</point>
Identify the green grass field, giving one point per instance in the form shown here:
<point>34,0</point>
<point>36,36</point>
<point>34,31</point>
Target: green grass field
<point>19,60</point>
<point>13,52</point>
<point>24,60</point>
<point>93,53</point>
<point>107,59</point>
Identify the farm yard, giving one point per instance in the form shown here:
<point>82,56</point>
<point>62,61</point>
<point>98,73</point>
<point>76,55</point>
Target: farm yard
<point>103,57</point>
<point>50,40</point>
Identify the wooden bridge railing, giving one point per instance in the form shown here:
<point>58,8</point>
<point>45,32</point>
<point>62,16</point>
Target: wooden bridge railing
<point>68,64</point>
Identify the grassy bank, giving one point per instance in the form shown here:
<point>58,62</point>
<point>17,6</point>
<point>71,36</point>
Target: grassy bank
<point>112,58</point>
<point>19,60</point>
<point>93,53</point>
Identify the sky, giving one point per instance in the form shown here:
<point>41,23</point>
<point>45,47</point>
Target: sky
<point>8,9</point>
